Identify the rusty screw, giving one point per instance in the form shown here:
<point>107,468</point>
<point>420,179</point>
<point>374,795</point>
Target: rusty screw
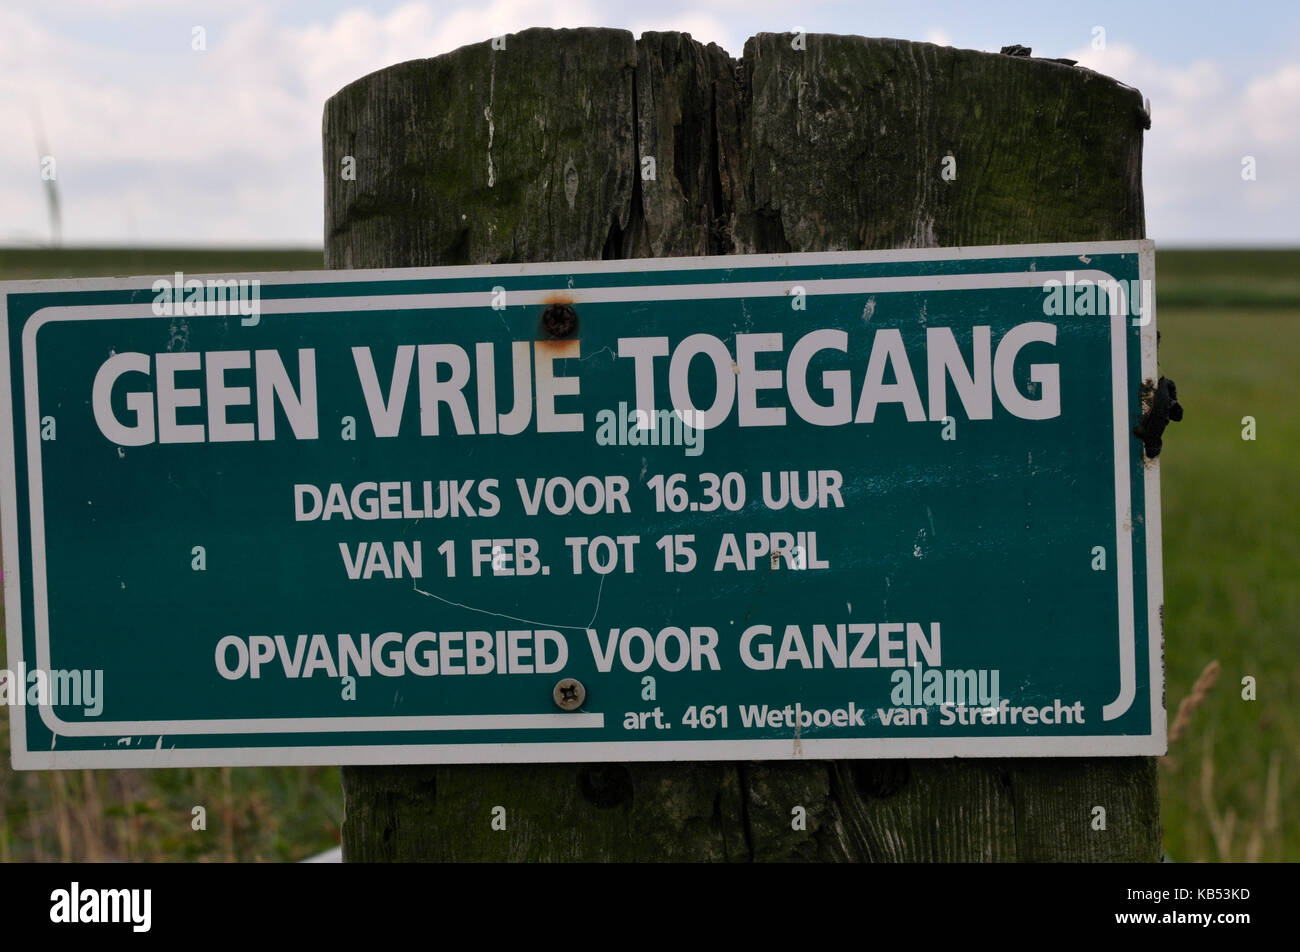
<point>569,694</point>
<point>559,321</point>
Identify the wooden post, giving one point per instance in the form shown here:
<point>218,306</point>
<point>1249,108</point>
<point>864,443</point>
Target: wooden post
<point>535,152</point>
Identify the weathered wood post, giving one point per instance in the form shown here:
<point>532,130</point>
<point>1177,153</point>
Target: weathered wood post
<point>533,148</point>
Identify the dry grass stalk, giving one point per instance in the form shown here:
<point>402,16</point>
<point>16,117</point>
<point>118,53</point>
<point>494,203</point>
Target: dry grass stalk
<point>62,815</point>
<point>1187,707</point>
<point>1221,825</point>
<point>228,812</point>
<point>1266,829</point>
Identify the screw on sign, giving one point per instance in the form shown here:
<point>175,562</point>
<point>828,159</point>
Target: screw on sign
<point>569,694</point>
<point>559,320</point>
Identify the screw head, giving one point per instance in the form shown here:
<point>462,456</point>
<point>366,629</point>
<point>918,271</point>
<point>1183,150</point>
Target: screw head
<point>559,320</point>
<point>569,694</point>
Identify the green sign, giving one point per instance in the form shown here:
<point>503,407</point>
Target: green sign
<point>855,504</point>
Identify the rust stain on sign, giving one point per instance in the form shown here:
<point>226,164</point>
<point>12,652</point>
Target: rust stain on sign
<point>558,323</point>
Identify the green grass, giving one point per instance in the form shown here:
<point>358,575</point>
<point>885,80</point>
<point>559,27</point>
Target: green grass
<point>1231,552</point>
<point>1262,277</point>
<point>1230,325</point>
<point>17,264</point>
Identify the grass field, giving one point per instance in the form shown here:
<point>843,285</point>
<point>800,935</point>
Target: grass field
<point>1230,325</point>
<point>1232,550</point>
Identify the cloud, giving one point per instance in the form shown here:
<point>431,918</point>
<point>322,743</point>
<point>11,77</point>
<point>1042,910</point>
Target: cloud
<point>1273,106</point>
<point>702,27</point>
<point>204,146</point>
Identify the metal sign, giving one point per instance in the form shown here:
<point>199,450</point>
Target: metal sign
<point>858,504</point>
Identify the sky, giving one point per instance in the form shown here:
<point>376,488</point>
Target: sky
<point>155,142</point>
